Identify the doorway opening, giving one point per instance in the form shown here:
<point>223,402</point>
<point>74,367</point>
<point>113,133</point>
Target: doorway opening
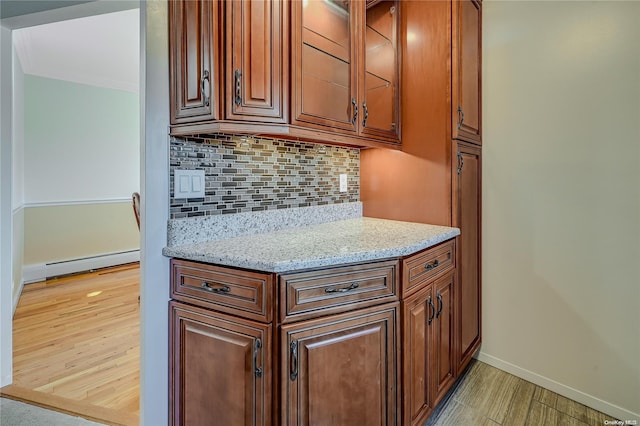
<point>76,162</point>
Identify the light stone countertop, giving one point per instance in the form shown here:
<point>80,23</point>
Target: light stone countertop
<point>327,244</point>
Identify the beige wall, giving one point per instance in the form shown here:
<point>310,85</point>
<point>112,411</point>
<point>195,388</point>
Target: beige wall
<point>67,232</point>
<point>561,206</point>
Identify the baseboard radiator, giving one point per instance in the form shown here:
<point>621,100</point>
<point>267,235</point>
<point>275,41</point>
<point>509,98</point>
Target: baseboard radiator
<point>42,271</point>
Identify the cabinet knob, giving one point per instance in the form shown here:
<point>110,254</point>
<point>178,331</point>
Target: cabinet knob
<point>460,117</point>
<point>433,310</point>
<point>257,344</point>
<point>205,77</point>
<point>430,266</point>
<point>366,114</point>
<point>293,360</point>
<point>219,290</point>
<point>238,82</point>
<point>354,105</point>
<point>352,286</point>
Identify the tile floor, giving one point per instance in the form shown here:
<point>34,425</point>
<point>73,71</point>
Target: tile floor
<point>15,413</point>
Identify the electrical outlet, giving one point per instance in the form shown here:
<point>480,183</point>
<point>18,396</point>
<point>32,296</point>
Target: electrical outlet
<point>188,183</point>
<point>343,182</point>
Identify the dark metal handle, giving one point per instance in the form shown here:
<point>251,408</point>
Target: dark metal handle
<point>238,76</point>
<point>460,117</point>
<point>433,310</point>
<point>293,359</point>
<point>341,290</point>
<point>355,111</point>
<point>366,114</point>
<point>218,290</point>
<point>430,266</point>
<point>205,77</point>
<point>440,304</point>
<point>257,344</point>
<point>460,162</point>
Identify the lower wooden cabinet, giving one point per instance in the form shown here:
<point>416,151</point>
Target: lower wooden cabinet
<point>428,348</point>
<point>220,368</point>
<point>338,345</point>
<point>341,369</point>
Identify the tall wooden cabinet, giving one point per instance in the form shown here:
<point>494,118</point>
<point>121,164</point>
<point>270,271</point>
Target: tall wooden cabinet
<point>467,200</point>
<point>466,58</point>
<point>439,179</point>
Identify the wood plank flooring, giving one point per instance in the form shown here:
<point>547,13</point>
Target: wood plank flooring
<point>488,396</point>
<point>76,345</point>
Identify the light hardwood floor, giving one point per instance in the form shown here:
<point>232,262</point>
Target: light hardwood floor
<point>487,396</point>
<point>76,345</point>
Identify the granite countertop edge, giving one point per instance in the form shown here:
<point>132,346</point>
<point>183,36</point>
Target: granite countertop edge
<point>330,244</point>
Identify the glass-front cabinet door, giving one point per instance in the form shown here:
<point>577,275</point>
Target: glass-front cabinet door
<point>380,89</point>
<point>324,87</point>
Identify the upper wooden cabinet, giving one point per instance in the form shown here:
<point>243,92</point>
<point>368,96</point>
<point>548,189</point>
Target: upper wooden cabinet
<point>466,101</point>
<point>193,55</point>
<point>380,83</point>
<point>255,74</point>
<point>324,63</point>
<point>345,67</point>
<point>319,70</point>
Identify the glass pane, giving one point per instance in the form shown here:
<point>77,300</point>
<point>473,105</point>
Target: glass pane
<point>380,65</point>
<point>326,59</point>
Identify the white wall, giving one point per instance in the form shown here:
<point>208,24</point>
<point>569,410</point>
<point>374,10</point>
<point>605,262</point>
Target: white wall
<point>6,285</point>
<point>154,268</point>
<point>17,196</point>
<point>81,142</point>
<point>561,202</point>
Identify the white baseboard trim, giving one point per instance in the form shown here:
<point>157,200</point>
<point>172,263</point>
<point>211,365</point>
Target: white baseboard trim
<point>16,296</point>
<point>559,388</point>
<point>41,271</point>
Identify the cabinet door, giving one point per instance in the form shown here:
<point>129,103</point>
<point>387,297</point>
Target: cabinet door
<point>467,175</point>
<point>467,50</point>
<point>323,69</point>
<point>418,314</point>
<point>443,336</point>
<point>341,369</point>
<point>379,83</point>
<point>220,370</point>
<point>193,57</point>
<point>255,49</point>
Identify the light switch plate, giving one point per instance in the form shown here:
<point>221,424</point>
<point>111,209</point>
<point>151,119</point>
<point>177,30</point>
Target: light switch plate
<point>343,182</point>
<point>188,183</point>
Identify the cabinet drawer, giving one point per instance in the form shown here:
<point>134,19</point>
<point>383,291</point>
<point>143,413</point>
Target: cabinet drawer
<point>325,291</point>
<point>243,293</point>
<point>423,266</point>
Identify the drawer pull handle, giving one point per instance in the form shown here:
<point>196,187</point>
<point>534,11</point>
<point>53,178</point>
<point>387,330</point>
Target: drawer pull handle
<point>430,266</point>
<point>352,286</point>
<point>293,374</point>
<point>257,345</point>
<point>440,305</point>
<point>433,310</point>
<point>218,290</point>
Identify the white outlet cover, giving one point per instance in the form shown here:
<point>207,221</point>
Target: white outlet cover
<point>188,183</point>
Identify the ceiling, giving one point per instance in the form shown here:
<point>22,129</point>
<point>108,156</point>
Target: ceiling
<point>101,50</point>
<point>11,8</point>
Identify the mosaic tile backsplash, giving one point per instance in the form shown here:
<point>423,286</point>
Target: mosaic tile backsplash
<point>254,174</point>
